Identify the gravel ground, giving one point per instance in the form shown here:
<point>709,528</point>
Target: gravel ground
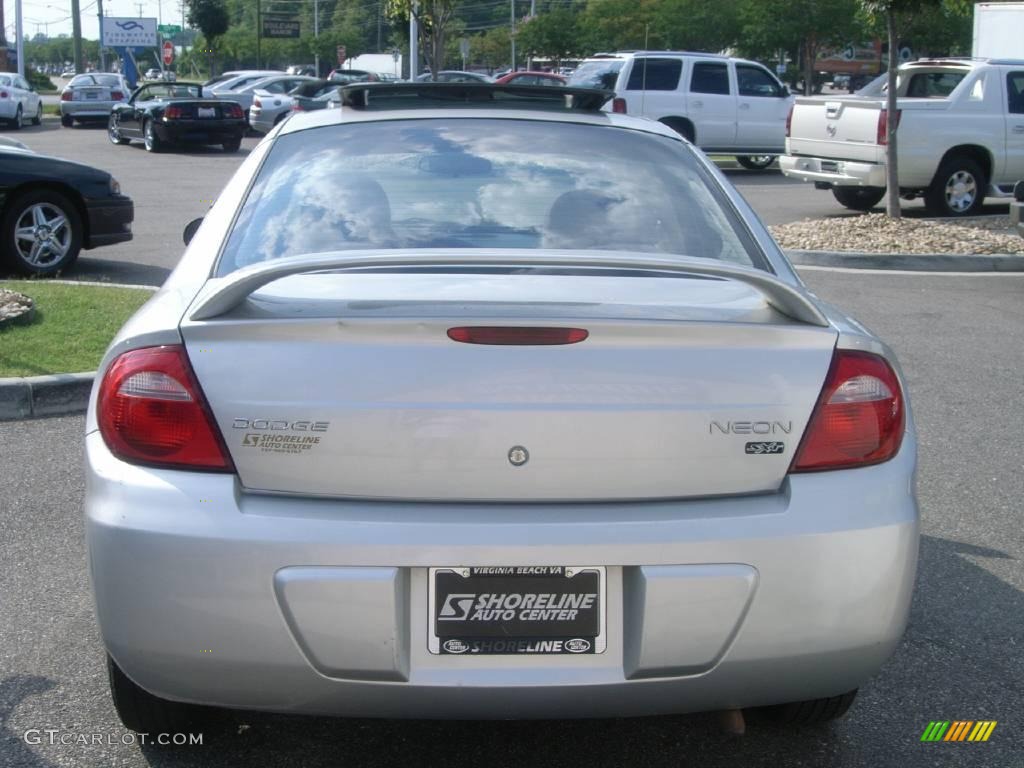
<point>876,233</point>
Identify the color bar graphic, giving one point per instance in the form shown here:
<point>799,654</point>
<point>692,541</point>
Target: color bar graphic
<point>958,730</point>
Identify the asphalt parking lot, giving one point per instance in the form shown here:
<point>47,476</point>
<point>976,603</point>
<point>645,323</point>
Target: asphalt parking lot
<point>961,342</point>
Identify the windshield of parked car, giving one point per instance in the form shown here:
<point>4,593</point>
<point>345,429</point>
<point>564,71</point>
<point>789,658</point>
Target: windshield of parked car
<point>168,91</point>
<point>596,74</point>
<point>482,183</point>
<point>108,81</point>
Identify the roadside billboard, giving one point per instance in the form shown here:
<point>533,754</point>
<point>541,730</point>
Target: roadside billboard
<point>128,32</point>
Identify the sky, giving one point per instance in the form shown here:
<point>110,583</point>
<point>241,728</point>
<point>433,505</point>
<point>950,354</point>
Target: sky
<point>53,17</point>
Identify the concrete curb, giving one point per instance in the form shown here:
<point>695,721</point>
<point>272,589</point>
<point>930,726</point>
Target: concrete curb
<point>932,262</point>
<point>33,396</point>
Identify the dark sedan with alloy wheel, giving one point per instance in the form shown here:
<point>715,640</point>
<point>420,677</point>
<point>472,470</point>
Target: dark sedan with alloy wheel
<point>50,209</point>
<point>160,114</point>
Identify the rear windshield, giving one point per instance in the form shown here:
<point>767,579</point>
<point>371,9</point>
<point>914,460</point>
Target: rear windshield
<point>597,74</point>
<point>104,80</point>
<point>481,183</point>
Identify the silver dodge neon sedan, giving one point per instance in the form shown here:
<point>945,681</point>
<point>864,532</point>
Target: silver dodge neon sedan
<point>472,401</point>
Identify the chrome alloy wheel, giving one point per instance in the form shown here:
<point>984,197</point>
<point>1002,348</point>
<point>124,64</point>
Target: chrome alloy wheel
<point>961,191</point>
<point>42,234</point>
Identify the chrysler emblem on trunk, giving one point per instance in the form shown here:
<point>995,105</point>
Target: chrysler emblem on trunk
<point>518,455</point>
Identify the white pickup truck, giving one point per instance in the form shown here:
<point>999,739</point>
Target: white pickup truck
<point>961,137</point>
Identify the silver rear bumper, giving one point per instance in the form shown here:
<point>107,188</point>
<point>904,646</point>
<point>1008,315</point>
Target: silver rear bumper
<point>841,173</point>
<point>205,593</point>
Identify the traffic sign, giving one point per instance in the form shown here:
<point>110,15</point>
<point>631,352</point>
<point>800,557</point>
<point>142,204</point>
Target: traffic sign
<point>169,29</point>
<point>168,52</point>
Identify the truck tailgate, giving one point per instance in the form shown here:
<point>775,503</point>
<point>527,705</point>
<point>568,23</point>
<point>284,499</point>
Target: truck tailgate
<point>843,128</point>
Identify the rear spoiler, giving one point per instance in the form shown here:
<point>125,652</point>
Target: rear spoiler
<point>222,294</point>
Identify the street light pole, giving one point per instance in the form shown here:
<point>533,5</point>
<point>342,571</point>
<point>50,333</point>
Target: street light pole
<point>512,36</point>
<point>76,34</point>
<point>99,14</point>
<point>19,35</point>
<point>414,42</point>
<point>316,36</point>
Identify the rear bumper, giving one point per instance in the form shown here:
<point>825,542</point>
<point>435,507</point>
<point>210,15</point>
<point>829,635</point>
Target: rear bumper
<point>841,173</point>
<point>207,594</point>
<point>87,109</point>
<point>110,221</point>
<point>200,131</point>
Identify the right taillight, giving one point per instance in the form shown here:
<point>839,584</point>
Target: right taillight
<point>789,120</point>
<point>151,411</point>
<point>859,418</point>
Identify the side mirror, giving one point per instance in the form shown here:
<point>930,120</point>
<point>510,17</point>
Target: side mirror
<point>785,93</point>
<point>190,230</point>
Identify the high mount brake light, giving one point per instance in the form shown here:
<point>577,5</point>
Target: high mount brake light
<point>859,418</point>
<point>516,336</point>
<point>151,411</point>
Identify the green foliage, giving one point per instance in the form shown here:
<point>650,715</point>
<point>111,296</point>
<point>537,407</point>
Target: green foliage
<point>491,49</point>
<point>435,18</point>
<point>208,16</point>
<point>39,81</point>
<point>553,35</point>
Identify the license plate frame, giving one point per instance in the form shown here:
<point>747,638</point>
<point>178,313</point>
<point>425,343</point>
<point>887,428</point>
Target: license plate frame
<point>493,638</point>
<point>206,113</point>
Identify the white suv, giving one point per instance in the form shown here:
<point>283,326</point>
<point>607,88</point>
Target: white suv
<point>721,104</point>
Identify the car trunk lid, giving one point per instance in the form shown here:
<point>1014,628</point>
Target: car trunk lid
<point>349,385</point>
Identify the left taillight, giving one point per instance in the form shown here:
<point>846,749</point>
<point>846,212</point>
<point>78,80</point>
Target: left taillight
<point>151,411</point>
<point>233,111</point>
<point>174,113</point>
<point>860,416</point>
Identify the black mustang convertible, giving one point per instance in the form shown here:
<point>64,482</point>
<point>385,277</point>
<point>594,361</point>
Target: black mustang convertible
<point>176,113</point>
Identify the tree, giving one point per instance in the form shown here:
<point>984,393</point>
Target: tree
<point>805,27</point>
<point>896,15</point>
<point>552,35</point>
<point>492,49</point>
<point>211,18</point>
<point>434,18</point>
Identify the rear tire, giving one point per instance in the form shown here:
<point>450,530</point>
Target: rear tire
<point>958,188</point>
<point>67,121</point>
<point>858,198</point>
<point>814,712</point>
<point>233,145</point>
<point>142,712</point>
<point>755,162</point>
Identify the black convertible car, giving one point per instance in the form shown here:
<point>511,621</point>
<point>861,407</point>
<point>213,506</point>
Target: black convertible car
<point>50,209</point>
<point>176,113</point>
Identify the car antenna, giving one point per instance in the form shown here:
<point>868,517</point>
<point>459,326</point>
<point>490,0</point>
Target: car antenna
<point>643,77</point>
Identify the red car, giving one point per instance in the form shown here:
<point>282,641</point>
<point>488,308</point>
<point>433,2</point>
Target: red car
<point>532,78</point>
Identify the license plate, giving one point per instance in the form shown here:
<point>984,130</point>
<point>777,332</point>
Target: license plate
<point>92,95</point>
<point>517,610</point>
<point>207,112</point>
